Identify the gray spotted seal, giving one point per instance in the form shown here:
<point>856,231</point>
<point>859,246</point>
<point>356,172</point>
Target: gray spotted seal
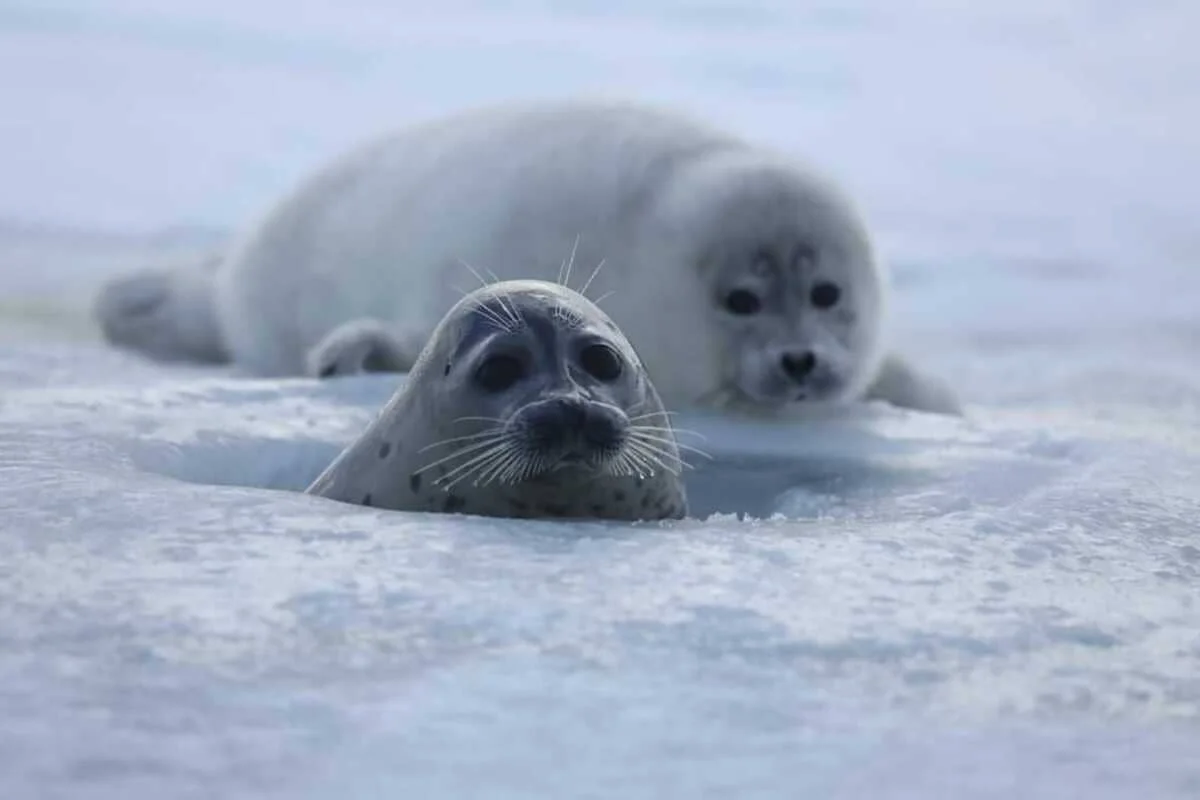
<point>526,401</point>
<point>744,279</point>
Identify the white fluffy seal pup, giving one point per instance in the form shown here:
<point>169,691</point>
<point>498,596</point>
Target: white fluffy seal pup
<point>526,401</point>
<point>745,280</point>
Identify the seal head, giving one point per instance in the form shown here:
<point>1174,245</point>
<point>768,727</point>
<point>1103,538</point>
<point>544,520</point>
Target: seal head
<point>789,279</point>
<point>527,401</point>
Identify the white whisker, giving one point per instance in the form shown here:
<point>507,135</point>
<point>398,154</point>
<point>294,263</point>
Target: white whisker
<point>496,420</point>
<point>510,453</point>
<point>592,277</point>
<point>453,439</point>
<point>665,441</point>
<point>501,322</point>
<point>643,466</point>
<point>482,281</point>
<point>463,451</point>
<point>564,277</point>
<point>471,465</point>
<point>656,457</point>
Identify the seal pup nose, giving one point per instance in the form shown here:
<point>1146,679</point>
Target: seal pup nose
<point>798,365</point>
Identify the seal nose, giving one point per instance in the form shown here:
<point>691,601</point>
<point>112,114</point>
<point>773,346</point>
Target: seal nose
<point>601,429</point>
<point>798,365</point>
<point>572,421</point>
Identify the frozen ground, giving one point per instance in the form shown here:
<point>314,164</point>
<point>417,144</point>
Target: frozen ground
<point>1003,606</point>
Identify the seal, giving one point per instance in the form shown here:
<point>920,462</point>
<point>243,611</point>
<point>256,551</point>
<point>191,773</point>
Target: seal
<point>745,279</point>
<point>526,401</point>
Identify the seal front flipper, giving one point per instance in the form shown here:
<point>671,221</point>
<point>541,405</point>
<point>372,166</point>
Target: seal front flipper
<point>164,313</point>
<point>358,346</point>
<point>900,384</point>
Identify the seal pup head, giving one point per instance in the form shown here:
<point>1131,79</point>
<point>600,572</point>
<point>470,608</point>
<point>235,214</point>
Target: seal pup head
<point>528,401</point>
<point>789,280</point>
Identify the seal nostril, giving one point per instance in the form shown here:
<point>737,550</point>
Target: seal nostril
<point>556,422</point>
<point>601,432</point>
<point>797,365</point>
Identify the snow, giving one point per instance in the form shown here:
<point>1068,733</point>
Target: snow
<point>910,606</point>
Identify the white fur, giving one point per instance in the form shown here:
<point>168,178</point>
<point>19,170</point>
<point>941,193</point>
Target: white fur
<point>382,235</point>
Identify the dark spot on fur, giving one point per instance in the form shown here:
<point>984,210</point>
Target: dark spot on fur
<point>453,503</point>
<point>639,481</point>
<point>446,371</point>
<point>327,371</point>
<point>521,506</point>
<point>619,496</point>
<point>647,500</point>
<point>366,499</point>
<point>597,508</point>
<point>384,449</point>
<point>414,481</point>
<point>555,509</point>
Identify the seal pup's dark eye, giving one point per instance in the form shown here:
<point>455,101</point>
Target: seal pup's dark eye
<point>825,294</point>
<point>499,372</point>
<point>601,362</point>
<point>742,302</point>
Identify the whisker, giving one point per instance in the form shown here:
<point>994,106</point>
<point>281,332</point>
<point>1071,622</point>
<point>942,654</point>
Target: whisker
<point>657,457</point>
<point>602,298</point>
<point>643,462</point>
<point>665,441</point>
<point>496,420</point>
<point>510,310</point>
<point>475,272</point>
<point>462,451</point>
<point>453,439</point>
<point>619,465</point>
<point>472,463</point>
<point>519,470</point>
<point>505,457</point>
<point>533,466</point>
<point>564,277</point>
<point>592,277</point>
<point>667,429</point>
<point>654,414</point>
<point>501,322</point>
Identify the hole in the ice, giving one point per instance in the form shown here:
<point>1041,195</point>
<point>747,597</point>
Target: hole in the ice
<point>811,470</point>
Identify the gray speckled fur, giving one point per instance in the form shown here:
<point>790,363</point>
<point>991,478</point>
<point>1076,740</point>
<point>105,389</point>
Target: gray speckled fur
<point>382,468</point>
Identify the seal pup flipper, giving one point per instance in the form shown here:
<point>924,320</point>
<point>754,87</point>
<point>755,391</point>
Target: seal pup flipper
<point>164,313</point>
<point>902,385</point>
<point>358,346</point>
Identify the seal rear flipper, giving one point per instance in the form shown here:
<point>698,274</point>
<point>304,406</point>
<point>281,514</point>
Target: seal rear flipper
<point>900,384</point>
<point>164,313</point>
<point>358,346</point>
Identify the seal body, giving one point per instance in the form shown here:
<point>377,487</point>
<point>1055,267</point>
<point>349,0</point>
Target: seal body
<point>744,279</point>
<point>526,401</point>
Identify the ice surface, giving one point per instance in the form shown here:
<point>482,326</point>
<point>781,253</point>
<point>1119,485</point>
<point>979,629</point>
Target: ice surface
<point>1000,606</point>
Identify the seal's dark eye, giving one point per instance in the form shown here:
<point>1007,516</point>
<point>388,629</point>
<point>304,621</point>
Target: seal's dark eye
<point>742,302</point>
<point>601,362</point>
<point>825,294</point>
<point>499,372</point>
